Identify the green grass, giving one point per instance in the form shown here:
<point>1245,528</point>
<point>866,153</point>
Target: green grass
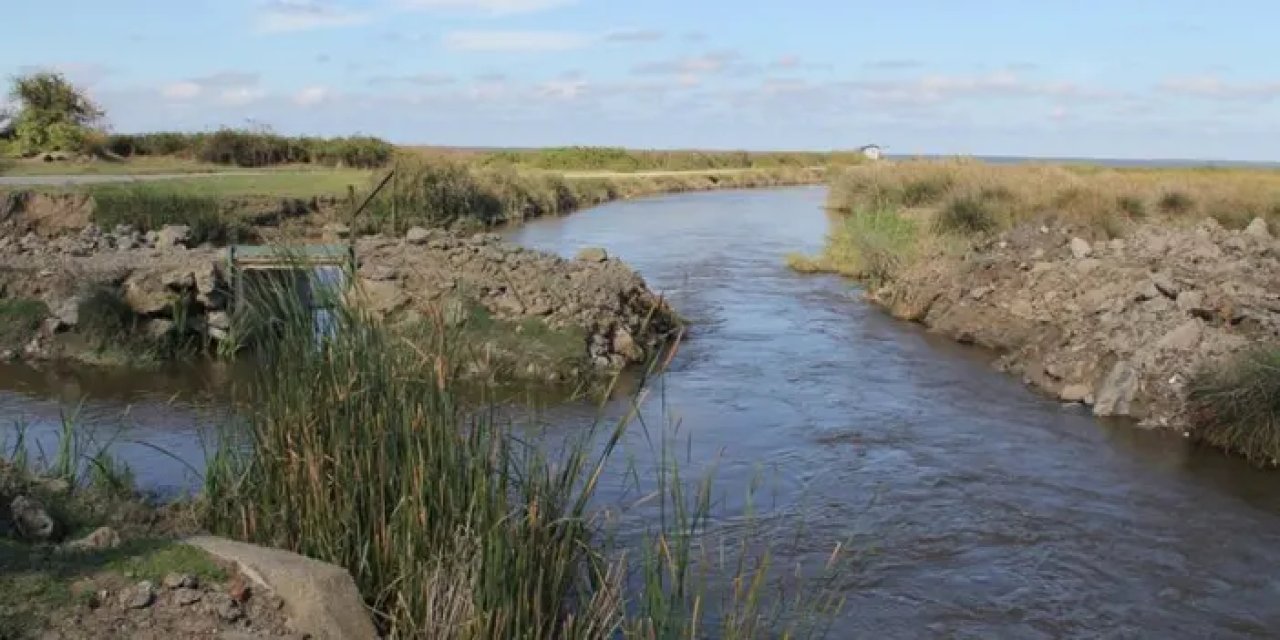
<point>1235,405</point>
<point>149,209</point>
<point>617,159</point>
<point>359,452</point>
<point>872,245</point>
<point>20,320</point>
<point>38,588</point>
<point>966,215</point>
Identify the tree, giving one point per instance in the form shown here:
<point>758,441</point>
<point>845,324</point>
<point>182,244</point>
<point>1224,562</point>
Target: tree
<point>53,114</point>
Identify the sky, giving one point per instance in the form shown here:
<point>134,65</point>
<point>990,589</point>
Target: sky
<point>1050,78</point>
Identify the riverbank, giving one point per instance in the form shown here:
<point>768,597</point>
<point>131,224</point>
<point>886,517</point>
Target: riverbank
<point>1120,290</point>
<point>128,274</point>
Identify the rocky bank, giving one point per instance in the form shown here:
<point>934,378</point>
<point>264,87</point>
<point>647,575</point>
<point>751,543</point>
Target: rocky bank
<point>1118,324</point>
<point>171,289</point>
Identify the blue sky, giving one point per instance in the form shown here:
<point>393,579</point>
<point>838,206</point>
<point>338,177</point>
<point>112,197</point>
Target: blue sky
<point>1116,78</point>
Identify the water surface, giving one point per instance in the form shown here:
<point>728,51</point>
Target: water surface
<point>977,508</point>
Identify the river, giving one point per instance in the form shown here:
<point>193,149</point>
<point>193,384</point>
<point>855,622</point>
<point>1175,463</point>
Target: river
<point>976,507</point>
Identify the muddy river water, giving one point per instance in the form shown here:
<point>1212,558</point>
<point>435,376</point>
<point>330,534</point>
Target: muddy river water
<point>977,508</point>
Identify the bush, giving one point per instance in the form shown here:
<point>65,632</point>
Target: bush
<point>1176,202</point>
<point>1132,206</point>
<point>104,314</point>
<point>151,207</point>
<point>20,319</point>
<point>871,245</point>
<point>1236,405</point>
<point>966,216</point>
<point>925,191</point>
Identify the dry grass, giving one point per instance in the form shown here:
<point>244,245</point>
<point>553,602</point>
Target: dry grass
<point>1102,198</point>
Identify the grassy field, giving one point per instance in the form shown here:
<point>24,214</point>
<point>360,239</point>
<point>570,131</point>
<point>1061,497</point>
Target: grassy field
<point>994,197</point>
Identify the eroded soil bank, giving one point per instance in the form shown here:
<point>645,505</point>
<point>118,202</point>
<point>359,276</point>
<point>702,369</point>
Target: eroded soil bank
<point>522,313</point>
<point>1120,324</point>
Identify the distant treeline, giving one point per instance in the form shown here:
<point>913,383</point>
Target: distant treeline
<point>255,149</point>
<point>625,160</point>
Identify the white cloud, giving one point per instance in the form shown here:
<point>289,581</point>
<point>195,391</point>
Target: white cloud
<point>1216,88</point>
<point>312,96</point>
<point>418,79</point>
<point>181,91</point>
<point>635,35</point>
<point>516,41</point>
<point>563,89</point>
<point>240,96</point>
<point>710,63</point>
<point>280,16</point>
<point>935,89</point>
<point>492,7</point>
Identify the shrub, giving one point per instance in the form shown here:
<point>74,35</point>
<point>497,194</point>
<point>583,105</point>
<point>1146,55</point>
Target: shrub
<point>151,207</point>
<point>1176,202</point>
<point>1236,405</point>
<point>104,314</point>
<point>20,319</point>
<point>925,191</point>
<point>966,216</point>
<point>1132,206</point>
<point>871,245</point>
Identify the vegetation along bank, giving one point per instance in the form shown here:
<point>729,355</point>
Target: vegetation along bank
<point>1148,294</point>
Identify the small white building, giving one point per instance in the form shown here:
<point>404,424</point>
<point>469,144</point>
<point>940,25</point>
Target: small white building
<point>872,152</point>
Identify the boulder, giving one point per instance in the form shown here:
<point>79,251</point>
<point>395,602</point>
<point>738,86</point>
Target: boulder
<point>593,254</point>
<point>1165,284</point>
<point>1191,301</point>
<point>1258,229</point>
<point>1075,393</point>
<point>173,235</point>
<point>1080,248</point>
<point>1183,338</point>
<point>336,231</point>
<point>320,599</point>
<point>101,538</point>
<point>31,518</point>
<point>140,596</point>
<point>418,235</point>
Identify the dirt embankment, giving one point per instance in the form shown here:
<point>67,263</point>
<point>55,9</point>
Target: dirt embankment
<point>1120,325</point>
<point>526,313</point>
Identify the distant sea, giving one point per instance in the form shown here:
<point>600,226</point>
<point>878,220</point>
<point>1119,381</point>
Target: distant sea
<point>1154,163</point>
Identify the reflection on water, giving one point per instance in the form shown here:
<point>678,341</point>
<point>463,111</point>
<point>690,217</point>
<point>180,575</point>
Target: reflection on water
<point>978,508</point>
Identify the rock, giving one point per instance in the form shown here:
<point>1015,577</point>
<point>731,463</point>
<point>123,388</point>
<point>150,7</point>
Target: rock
<point>1184,338</point>
<point>140,596</point>
<point>101,538</point>
<point>239,589</point>
<point>1088,265</point>
<point>31,519</point>
<point>228,609</point>
<point>1115,395</point>
<point>181,581</point>
<point>1165,284</point>
<point>185,596</point>
<point>418,235</point>
<point>1080,248</point>
<point>1258,229</point>
<point>173,235</point>
<point>337,230</point>
<point>320,599</point>
<point>69,312</point>
<point>218,320</point>
<point>593,254</point>
<point>1075,393</point>
<point>53,326</point>
<point>159,328</point>
<point>625,345</point>
<point>1191,301</point>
